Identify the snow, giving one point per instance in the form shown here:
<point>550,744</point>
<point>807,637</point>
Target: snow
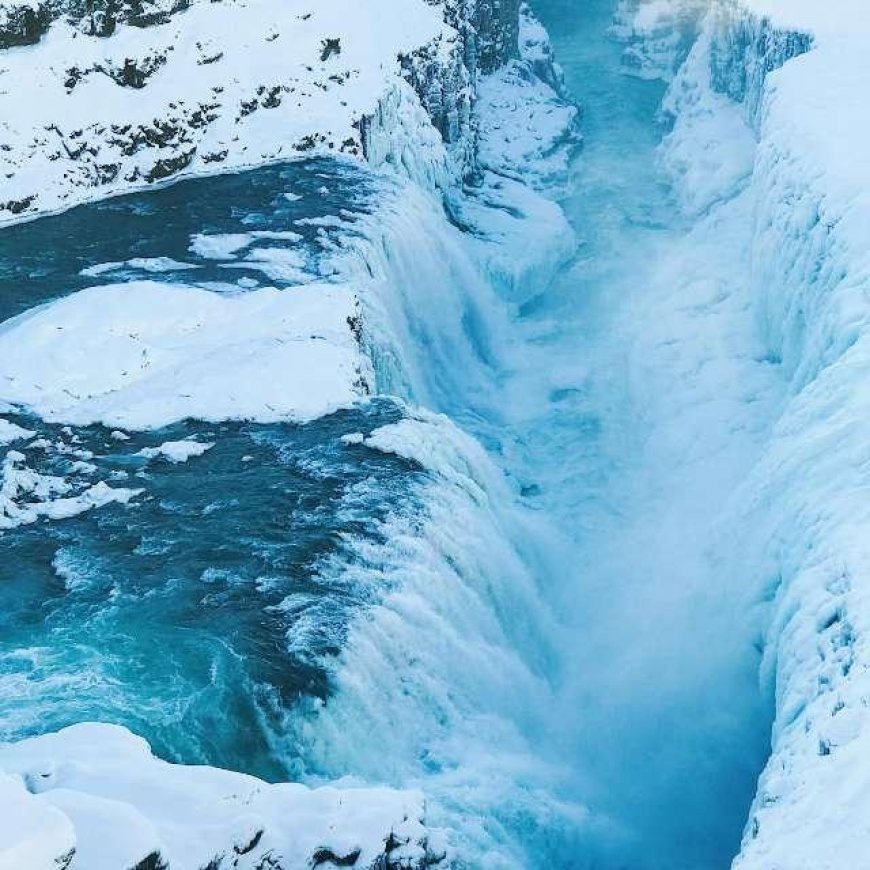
<point>98,787</point>
<point>176,451</point>
<point>27,495</point>
<point>144,354</point>
<point>801,517</point>
<point>225,86</point>
<point>710,151</point>
<point>10,432</point>
<point>224,246</point>
<point>154,265</point>
<point>33,833</point>
<point>842,21</point>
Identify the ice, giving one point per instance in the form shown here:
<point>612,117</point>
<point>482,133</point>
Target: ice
<point>27,495</point>
<point>225,246</point>
<point>797,523</point>
<point>222,246</point>
<point>710,152</point>
<point>99,789</point>
<point>143,354</point>
<point>176,451</point>
<point>145,264</point>
<point>804,516</point>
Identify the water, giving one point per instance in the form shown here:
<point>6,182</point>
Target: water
<point>669,729</point>
<point>206,612</point>
<point>124,236</point>
<point>289,603</point>
<point>534,633</point>
<point>201,614</point>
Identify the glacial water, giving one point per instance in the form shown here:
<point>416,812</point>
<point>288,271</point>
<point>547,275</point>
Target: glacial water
<point>532,632</point>
<point>198,615</point>
<point>668,727</point>
<point>149,235</point>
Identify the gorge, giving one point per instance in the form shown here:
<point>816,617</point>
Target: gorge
<point>440,445</point>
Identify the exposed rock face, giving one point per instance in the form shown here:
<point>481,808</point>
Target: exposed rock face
<point>25,22</point>
<point>489,30</point>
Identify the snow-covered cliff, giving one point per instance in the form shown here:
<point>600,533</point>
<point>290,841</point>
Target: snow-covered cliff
<point>771,105</point>
<point>99,98</point>
<point>92,109</point>
<point>92,796</point>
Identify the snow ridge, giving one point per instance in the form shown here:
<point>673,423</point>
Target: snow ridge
<point>797,74</point>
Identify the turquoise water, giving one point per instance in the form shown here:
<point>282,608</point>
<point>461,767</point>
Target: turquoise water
<point>669,729</point>
<point>205,612</point>
<point>209,614</point>
<point>44,259</point>
<point>202,613</point>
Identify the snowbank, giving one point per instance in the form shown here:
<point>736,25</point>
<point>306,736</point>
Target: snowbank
<point>213,87</point>
<point>144,354</point>
<point>798,74</point>
<point>93,796</point>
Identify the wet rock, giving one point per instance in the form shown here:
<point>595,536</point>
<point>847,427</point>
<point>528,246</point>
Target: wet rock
<point>330,47</point>
<point>153,861</point>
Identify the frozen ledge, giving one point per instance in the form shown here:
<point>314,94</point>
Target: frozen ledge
<point>93,796</point>
<point>142,355</point>
<point>798,74</point>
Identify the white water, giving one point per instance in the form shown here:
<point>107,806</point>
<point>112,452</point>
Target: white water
<point>659,413</point>
<point>557,652</point>
<point>598,705</point>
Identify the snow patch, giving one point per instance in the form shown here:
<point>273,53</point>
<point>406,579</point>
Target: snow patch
<point>99,789</point>
<point>143,355</point>
<point>176,451</point>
